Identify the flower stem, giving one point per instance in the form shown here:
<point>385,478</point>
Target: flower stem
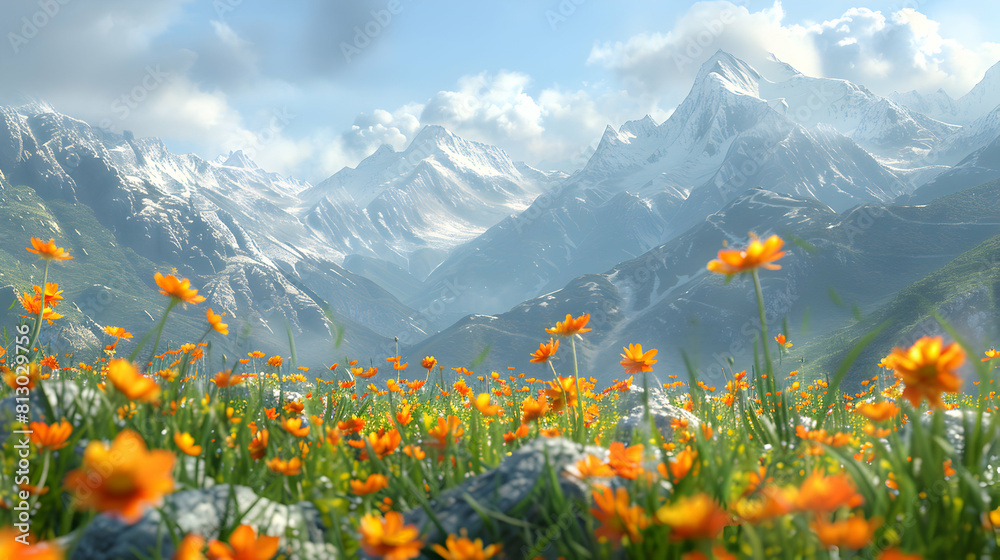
<point>579,398</point>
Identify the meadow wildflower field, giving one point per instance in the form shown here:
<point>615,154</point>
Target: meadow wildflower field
<point>776,463</point>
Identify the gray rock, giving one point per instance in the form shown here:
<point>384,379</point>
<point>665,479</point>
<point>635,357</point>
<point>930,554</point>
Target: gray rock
<point>660,409</point>
<point>204,511</point>
<point>954,430</point>
<point>503,488</point>
<point>64,397</point>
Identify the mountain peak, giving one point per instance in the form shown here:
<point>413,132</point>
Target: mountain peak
<point>237,159</point>
<point>642,127</point>
<point>730,72</point>
<point>431,134</point>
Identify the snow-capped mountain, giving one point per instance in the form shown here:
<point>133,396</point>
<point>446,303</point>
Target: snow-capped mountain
<point>666,299</point>
<point>647,182</point>
<point>228,225</point>
<point>969,138</point>
<point>412,207</point>
<point>981,99</point>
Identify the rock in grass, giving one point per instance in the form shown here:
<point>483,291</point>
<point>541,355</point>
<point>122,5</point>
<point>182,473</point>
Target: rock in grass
<point>65,398</point>
<point>204,512</point>
<point>508,490</point>
<point>662,412</point>
<point>954,423</point>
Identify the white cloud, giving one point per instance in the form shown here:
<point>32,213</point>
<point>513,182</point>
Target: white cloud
<point>549,128</point>
<point>884,51</point>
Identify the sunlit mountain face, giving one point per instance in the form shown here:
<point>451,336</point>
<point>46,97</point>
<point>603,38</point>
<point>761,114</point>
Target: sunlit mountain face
<point>452,238</point>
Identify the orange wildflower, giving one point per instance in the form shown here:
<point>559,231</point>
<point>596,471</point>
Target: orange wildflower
<point>634,361</point>
<point>50,436</point>
<point>244,544</point>
<point>616,517</point>
<point>562,393</point>
<point>10,376</point>
<point>48,251</point>
<point>590,466</point>
<point>361,372</point>
<point>894,553</point>
<point>927,369</point>
<point>451,427</point>
<point>570,326</point>
<point>533,409</point>
<point>878,411</point>
<point>415,452</point>
<point>463,548</point>
<point>388,538</point>
<point>185,442</point>
<point>756,255</point>
<point>127,379</point>
<point>14,550</point>
<point>294,426</point>
<point>681,464</point>
<point>522,431</point>
<point>258,445</point>
<point>226,378</point>
<point>769,503</point>
<point>482,404</point>
<point>693,517</point>
<point>291,467</point>
<point>216,322</point>
<point>122,479</point>
<point>819,493</point>
<point>854,532</point>
<point>626,462</point>
<point>180,290</point>
<point>545,351</point>
<point>33,305</point>
<point>351,425</point>
<point>333,436</point>
<point>991,354</point>
<point>384,442</point>
<point>782,341</point>
<point>117,332</point>
<point>428,363</point>
<point>190,548</point>
<point>275,361</point>
<point>374,483</point>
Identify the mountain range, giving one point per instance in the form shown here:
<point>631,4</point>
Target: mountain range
<point>450,248</point>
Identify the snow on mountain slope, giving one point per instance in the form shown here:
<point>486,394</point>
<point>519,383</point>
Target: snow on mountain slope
<point>970,138</point>
<point>937,105</point>
<point>228,226</point>
<point>980,100</point>
<point>978,111</point>
<point>722,140</point>
<point>439,192</point>
<point>666,299</point>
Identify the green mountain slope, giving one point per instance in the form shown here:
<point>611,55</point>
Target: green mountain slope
<point>965,292</point>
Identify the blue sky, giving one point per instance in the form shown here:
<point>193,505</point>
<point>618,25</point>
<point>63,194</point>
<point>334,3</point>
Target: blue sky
<point>539,78</point>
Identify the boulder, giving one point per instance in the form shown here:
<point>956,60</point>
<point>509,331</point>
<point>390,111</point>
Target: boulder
<point>501,489</point>
<point>662,412</point>
<point>205,511</point>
